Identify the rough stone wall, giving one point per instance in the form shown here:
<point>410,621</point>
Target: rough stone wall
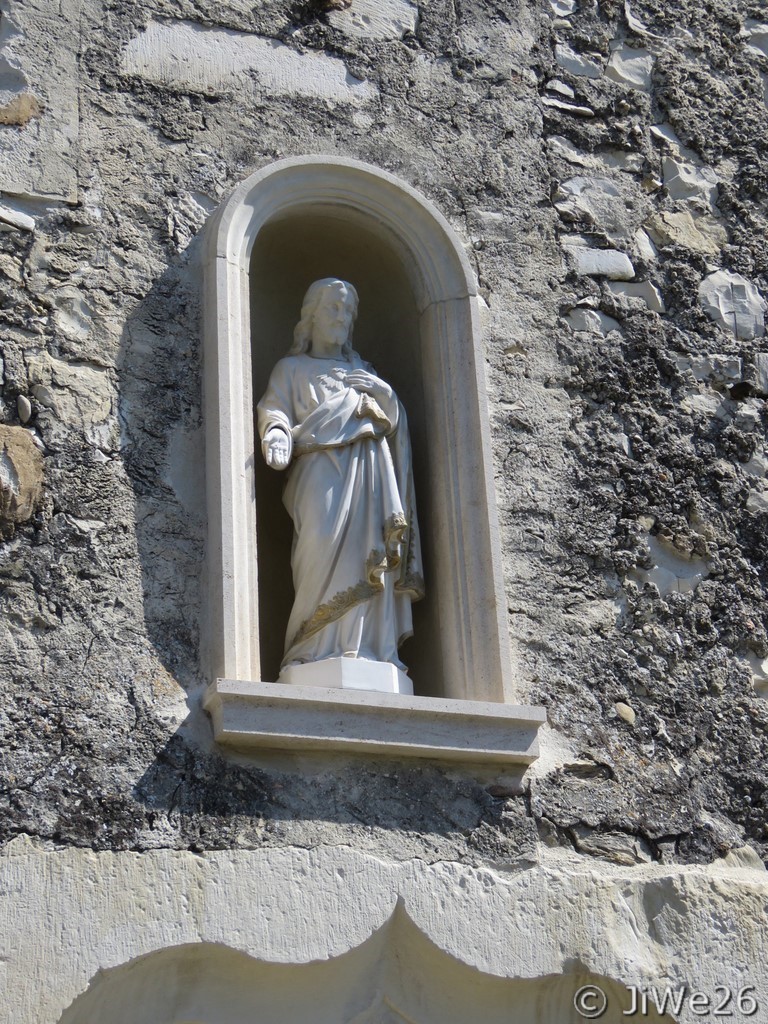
<point>654,118</point>
<point>606,168</point>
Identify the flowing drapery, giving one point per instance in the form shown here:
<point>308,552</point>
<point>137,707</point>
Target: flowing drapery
<point>355,560</point>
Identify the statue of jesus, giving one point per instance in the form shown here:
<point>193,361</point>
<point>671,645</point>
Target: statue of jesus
<point>342,433</point>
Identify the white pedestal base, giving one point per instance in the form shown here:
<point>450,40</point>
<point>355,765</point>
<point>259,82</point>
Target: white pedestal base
<point>349,674</point>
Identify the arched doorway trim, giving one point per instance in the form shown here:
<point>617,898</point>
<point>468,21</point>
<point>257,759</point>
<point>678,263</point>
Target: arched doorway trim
<point>395,975</point>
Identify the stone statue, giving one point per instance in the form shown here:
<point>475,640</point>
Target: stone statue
<point>342,430</point>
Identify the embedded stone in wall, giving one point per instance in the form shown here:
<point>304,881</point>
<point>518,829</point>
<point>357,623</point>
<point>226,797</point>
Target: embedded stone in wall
<point>718,368</point>
<point>578,64</point>
<point>15,220</point>
<point>490,225</point>
<point>761,371</point>
<point>748,414</point>
<point>625,712</point>
<point>701,233</point>
<point>181,53</point>
<point>734,303</point>
<point>577,109</point>
<point>598,201</point>
<point>757,36</point>
<point>637,26</point>
<point>77,396</point>
<point>759,667</point>
<point>187,213</point>
<point>23,408</point>
<point>645,290</point>
<point>685,177</point>
<point>709,404</point>
<point>621,160</point>
<point>684,180</point>
<point>20,108</point>
<point>617,847</point>
<point>757,466</point>
<point>630,67</point>
<point>615,159</point>
<point>562,147</point>
<point>758,502</point>
<point>554,85</point>
<point>592,321</point>
<point>609,263</point>
<point>39,105</point>
<point>644,246</point>
<point>21,477</point>
<point>670,570</point>
<point>376,19</point>
<point>72,313</point>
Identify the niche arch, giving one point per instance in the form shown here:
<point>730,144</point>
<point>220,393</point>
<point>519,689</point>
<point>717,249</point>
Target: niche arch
<point>465,653</point>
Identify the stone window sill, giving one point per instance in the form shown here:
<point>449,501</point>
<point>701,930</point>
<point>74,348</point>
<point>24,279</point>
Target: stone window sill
<point>253,715</point>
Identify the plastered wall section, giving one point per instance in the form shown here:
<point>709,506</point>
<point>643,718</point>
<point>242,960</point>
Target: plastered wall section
<point>686,927</point>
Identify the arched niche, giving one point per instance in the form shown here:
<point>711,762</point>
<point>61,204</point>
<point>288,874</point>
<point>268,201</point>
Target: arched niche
<point>284,226</point>
<point>290,253</point>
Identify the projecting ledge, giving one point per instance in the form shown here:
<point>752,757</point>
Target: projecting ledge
<point>277,715</point>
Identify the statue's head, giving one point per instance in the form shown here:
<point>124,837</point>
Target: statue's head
<point>328,299</point>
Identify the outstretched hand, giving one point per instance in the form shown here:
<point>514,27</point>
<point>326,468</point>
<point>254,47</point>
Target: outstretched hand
<point>362,380</point>
<point>277,447</point>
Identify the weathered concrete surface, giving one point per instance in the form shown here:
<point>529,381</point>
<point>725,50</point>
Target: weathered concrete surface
<point>612,455</point>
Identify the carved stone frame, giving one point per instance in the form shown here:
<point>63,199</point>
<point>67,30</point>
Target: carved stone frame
<point>472,608</point>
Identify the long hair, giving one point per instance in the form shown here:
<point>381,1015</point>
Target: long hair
<point>302,335</point>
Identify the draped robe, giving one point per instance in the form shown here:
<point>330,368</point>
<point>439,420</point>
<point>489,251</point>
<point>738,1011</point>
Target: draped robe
<point>355,559</point>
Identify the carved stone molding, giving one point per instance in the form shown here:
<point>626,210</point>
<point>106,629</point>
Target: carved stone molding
<point>256,715</point>
<point>396,976</point>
